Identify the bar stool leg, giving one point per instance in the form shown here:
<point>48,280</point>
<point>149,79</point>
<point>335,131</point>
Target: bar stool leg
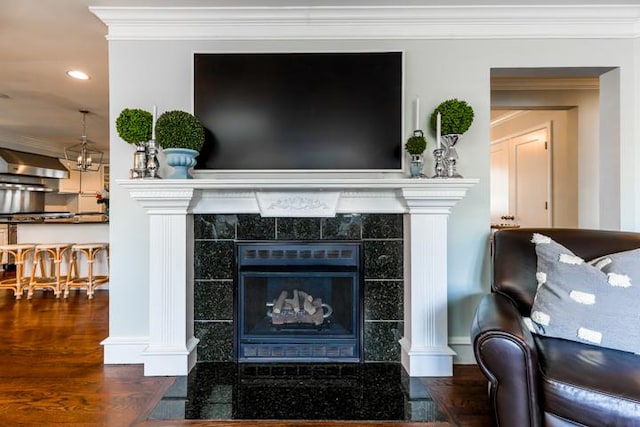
<point>48,258</point>
<point>90,282</point>
<point>72,272</point>
<point>20,253</point>
<point>90,251</point>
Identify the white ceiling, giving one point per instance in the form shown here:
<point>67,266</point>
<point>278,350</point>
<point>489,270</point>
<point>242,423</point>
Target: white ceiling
<point>39,103</point>
<point>42,39</point>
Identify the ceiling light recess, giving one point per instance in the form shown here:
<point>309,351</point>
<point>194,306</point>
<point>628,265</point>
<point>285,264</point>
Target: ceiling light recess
<point>77,74</point>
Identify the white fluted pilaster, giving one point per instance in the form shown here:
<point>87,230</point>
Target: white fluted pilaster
<point>172,345</point>
<point>424,347</point>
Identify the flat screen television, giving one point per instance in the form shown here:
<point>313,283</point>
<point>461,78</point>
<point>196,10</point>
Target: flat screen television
<point>300,111</point>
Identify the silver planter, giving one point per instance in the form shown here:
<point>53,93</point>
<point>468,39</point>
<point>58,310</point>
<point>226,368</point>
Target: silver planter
<point>139,162</point>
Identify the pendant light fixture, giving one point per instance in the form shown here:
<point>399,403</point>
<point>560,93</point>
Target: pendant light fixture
<point>81,156</point>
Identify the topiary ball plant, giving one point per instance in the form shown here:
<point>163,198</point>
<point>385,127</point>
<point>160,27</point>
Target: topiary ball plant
<point>416,144</point>
<point>456,117</point>
<point>134,125</point>
<point>179,129</point>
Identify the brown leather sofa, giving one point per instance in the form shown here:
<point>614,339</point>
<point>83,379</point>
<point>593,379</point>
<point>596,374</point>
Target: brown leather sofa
<point>540,381</point>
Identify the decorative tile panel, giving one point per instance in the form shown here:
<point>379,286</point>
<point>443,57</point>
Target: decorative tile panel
<point>382,226</point>
<point>381,340</point>
<point>216,341</point>
<point>216,226</point>
<point>213,300</point>
<point>342,227</point>
<point>214,259</point>
<point>254,227</point>
<point>383,300</point>
<point>383,259</point>
<point>298,228</point>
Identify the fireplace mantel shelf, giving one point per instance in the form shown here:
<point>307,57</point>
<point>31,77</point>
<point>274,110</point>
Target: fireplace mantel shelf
<point>425,203</point>
<point>298,197</point>
<point>298,183</point>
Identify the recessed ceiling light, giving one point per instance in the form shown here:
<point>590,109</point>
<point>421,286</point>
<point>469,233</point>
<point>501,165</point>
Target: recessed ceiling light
<point>78,75</point>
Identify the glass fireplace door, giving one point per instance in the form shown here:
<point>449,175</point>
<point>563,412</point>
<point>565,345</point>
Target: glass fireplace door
<point>298,302</point>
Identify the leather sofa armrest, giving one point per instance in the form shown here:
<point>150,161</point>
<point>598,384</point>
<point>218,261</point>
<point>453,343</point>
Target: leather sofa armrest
<point>506,354</point>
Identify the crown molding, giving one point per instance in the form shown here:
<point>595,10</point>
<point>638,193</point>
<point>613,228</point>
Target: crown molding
<point>371,22</point>
<point>545,83</point>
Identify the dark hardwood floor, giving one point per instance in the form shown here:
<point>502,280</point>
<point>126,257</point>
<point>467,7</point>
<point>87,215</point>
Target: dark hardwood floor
<point>51,374</point>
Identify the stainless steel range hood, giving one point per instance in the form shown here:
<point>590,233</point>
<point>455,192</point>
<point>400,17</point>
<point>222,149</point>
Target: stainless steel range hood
<point>21,163</point>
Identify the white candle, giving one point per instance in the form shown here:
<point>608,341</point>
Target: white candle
<point>153,122</point>
<point>438,124</point>
<point>417,124</point>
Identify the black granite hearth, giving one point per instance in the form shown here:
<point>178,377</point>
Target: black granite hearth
<point>370,391</point>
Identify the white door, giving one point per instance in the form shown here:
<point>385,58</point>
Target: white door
<point>499,181</point>
<point>520,180</point>
<point>530,175</point>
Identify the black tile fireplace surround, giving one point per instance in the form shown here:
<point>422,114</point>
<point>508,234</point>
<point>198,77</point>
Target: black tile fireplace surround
<point>382,286</point>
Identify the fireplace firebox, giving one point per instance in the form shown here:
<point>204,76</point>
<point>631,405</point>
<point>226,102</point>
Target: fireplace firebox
<point>298,301</point>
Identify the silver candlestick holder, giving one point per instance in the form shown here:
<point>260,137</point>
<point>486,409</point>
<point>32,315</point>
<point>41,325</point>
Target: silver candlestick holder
<point>438,154</point>
<point>152,159</point>
<point>450,156</point>
<point>145,161</point>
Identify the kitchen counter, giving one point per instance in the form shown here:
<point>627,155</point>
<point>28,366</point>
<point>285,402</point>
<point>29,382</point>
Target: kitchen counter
<point>53,217</point>
<point>69,221</point>
<point>57,232</point>
<point>68,232</point>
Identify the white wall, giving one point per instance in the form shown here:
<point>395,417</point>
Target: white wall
<point>143,73</point>
<point>609,150</point>
<point>629,151</point>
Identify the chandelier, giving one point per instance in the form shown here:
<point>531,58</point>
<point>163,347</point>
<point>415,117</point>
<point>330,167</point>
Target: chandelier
<point>81,156</point>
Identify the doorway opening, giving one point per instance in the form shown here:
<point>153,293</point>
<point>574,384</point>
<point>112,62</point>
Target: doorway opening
<point>578,109</point>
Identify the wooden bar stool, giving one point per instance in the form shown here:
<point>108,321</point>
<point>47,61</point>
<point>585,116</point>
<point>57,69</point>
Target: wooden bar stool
<point>20,253</point>
<point>88,253</point>
<point>48,258</point>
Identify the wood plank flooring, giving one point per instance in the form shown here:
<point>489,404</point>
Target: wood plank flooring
<point>51,374</point>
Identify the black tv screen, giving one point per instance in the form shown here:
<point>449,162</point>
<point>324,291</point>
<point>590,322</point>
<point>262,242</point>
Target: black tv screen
<point>300,111</point>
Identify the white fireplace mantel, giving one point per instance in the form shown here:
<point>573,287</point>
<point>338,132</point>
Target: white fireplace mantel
<point>170,204</point>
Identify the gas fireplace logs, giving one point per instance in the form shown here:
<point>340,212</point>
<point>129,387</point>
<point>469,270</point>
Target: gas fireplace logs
<point>301,308</point>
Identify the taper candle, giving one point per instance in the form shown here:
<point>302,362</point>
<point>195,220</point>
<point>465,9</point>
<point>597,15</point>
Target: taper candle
<point>438,125</point>
<point>417,124</point>
<point>153,123</point>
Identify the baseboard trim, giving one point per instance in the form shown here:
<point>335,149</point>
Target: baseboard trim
<point>127,350</point>
<point>124,350</point>
<point>464,351</point>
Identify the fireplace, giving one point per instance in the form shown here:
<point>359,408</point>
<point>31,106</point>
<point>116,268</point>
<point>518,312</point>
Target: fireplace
<point>298,301</point>
<point>176,341</point>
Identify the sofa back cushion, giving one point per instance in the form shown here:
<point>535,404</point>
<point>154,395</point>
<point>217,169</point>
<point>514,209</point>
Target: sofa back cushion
<point>515,261</point>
